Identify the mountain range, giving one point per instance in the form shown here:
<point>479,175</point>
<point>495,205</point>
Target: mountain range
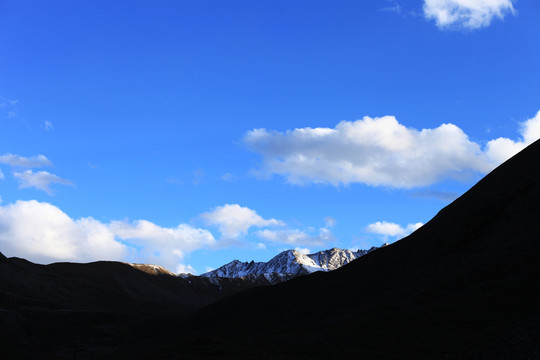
<point>290,262</point>
<point>463,286</point>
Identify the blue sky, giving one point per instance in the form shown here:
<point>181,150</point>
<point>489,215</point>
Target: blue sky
<point>192,133</point>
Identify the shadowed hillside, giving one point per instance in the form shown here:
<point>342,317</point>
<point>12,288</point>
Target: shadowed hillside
<point>462,286</point>
<point>45,310</point>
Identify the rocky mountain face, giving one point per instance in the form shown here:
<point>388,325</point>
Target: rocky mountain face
<point>290,263</point>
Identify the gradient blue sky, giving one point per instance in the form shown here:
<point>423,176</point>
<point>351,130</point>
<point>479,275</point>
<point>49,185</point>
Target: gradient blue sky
<point>191,133</point>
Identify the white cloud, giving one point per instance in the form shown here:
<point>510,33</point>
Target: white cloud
<point>297,237</point>
<point>185,269</point>
<point>43,233</point>
<point>41,180</point>
<point>25,162</point>
<point>501,149</point>
<point>380,152</point>
<point>260,246</point>
<point>304,251</point>
<point>466,14</point>
<point>161,245</point>
<point>374,151</point>
<point>387,229</point>
<point>413,227</point>
<point>234,220</point>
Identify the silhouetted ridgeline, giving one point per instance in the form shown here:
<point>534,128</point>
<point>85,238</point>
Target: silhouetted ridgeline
<point>464,286</point>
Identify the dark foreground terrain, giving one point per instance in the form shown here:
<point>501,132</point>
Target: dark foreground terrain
<point>464,286</point>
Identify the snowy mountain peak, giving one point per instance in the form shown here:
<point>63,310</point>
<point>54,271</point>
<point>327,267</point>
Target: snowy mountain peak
<point>290,262</point>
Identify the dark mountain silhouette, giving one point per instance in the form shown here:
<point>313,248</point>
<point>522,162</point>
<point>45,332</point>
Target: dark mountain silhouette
<point>464,286</point>
<point>46,309</point>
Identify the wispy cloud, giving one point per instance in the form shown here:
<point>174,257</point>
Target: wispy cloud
<point>5,102</point>
<point>392,6</point>
<point>330,222</point>
<point>41,180</point>
<point>228,177</point>
<point>47,125</point>
<point>433,194</point>
<point>466,14</point>
<point>380,152</point>
<point>25,162</point>
<point>297,237</point>
<point>198,176</point>
<point>8,107</point>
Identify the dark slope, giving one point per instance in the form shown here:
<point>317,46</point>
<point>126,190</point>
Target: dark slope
<point>465,285</point>
<point>46,309</point>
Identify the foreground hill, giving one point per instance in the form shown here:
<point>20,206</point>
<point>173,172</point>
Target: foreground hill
<point>46,309</point>
<point>464,286</point>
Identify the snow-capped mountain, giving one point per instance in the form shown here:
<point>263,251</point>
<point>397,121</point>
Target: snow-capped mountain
<point>290,262</point>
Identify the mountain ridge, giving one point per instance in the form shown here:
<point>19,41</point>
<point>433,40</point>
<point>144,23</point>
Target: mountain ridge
<point>462,286</point>
<point>291,262</point>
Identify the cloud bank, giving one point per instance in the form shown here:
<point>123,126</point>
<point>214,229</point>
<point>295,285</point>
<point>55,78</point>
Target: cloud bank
<point>466,14</point>
<point>380,152</point>
<point>43,233</point>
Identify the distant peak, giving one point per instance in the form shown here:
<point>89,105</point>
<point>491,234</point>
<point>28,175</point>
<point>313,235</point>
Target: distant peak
<point>290,262</point>
<point>152,269</point>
